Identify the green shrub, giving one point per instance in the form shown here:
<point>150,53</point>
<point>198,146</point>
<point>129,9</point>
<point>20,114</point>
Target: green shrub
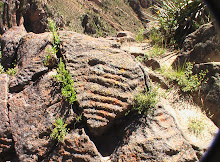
<point>185,78</point>
<point>60,130</point>
<point>67,84</point>
<point>196,126</point>
<point>145,102</point>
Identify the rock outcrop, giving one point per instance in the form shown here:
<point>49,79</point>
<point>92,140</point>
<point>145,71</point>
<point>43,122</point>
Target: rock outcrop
<point>210,92</point>
<point>9,45</point>
<point>105,83</point>
<point>155,138</point>
<point>201,46</point>
<point>105,79</point>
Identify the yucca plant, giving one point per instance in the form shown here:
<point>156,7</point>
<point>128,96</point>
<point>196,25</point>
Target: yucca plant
<point>178,18</point>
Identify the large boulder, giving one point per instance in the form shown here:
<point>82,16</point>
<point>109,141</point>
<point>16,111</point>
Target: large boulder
<point>201,46</point>
<point>210,92</point>
<point>154,138</point>
<point>30,59</point>
<point>106,79</point>
<point>9,44</point>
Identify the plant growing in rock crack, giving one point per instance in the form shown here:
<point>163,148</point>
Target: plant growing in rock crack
<point>54,30</point>
<point>51,52</point>
<point>50,57</point>
<point>145,103</point>
<point>60,130</point>
<point>67,84</point>
<point>11,71</point>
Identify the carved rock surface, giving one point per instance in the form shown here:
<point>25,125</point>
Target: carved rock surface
<point>155,138</point>
<point>105,79</point>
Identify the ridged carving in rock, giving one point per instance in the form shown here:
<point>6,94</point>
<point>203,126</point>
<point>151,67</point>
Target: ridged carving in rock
<point>30,59</point>
<point>154,138</point>
<point>105,79</point>
<point>76,147</point>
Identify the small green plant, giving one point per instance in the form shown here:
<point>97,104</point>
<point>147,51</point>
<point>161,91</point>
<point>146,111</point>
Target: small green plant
<point>67,84</point>
<point>179,18</point>
<point>196,126</point>
<point>145,102</point>
<point>11,71</point>
<point>49,58</point>
<point>54,30</point>
<point>140,37</point>
<point>79,118</point>
<point>60,130</point>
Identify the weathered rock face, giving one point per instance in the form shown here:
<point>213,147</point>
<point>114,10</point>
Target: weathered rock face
<point>210,92</point>
<point>201,46</point>
<point>106,79</point>
<point>30,59</point>
<point>9,44</point>
<point>77,147</point>
<point>6,140</point>
<point>154,138</point>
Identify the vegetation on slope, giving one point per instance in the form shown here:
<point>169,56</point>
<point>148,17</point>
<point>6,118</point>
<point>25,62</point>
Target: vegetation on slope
<point>102,20</point>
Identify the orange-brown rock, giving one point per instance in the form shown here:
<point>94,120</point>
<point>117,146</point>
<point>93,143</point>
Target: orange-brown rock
<point>106,79</point>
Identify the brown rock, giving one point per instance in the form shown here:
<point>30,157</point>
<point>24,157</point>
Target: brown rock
<point>210,92</point>
<point>155,138</point>
<point>153,63</point>
<point>105,81</point>
<point>30,59</point>
<point>32,114</point>
<point>201,46</point>
<point>6,141</point>
<point>9,44</point>
<point>76,147</point>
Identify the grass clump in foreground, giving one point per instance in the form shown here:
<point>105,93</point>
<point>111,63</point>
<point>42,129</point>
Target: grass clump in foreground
<point>196,126</point>
<point>60,130</point>
<point>145,103</point>
<point>67,84</point>
<point>185,78</point>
